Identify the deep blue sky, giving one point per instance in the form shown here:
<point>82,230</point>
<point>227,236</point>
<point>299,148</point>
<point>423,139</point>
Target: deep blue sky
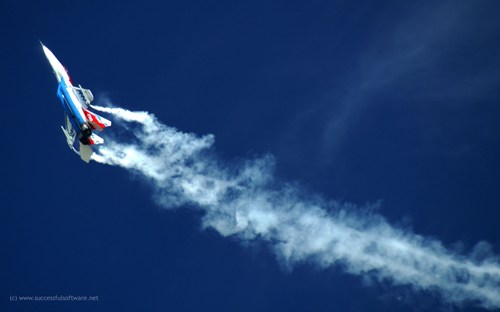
<point>360,101</point>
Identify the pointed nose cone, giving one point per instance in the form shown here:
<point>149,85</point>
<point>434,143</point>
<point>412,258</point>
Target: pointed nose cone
<point>57,67</point>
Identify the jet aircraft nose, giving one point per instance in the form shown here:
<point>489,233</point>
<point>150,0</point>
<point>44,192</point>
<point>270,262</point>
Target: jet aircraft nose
<point>57,67</point>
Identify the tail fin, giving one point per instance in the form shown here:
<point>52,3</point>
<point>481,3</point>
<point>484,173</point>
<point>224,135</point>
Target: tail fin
<point>96,122</point>
<point>95,139</point>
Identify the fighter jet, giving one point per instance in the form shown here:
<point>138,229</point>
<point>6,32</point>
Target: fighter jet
<point>79,120</point>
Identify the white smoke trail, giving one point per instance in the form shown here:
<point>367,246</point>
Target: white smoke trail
<point>246,201</point>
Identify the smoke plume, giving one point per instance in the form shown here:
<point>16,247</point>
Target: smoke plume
<point>245,200</point>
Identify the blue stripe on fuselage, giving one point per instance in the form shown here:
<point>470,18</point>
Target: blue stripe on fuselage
<point>69,107</point>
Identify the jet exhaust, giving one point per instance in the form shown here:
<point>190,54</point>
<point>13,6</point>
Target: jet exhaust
<point>246,201</point>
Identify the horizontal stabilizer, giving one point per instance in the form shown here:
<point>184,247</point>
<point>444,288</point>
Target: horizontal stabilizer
<point>85,152</point>
<point>96,122</point>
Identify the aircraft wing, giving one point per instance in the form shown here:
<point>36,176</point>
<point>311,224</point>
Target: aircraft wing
<point>84,96</point>
<point>69,132</point>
